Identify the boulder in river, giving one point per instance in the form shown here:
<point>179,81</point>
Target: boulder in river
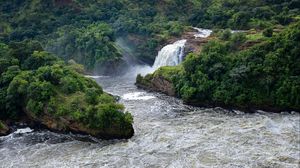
<point>4,129</point>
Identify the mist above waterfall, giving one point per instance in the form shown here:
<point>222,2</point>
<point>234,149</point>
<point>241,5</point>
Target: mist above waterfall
<point>170,55</point>
<point>127,50</point>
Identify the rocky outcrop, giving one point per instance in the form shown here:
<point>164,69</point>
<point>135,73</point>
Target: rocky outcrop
<point>65,125</point>
<point>156,83</point>
<point>4,129</point>
<point>193,44</point>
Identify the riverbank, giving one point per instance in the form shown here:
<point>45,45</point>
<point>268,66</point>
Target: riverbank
<point>162,82</point>
<point>167,134</point>
<point>236,71</point>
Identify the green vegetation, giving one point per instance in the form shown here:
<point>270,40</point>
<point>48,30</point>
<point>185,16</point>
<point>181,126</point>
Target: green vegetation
<point>1,125</point>
<point>37,83</point>
<point>233,72</point>
<point>89,45</point>
<point>85,31</point>
<point>168,71</point>
<point>263,76</point>
<point>255,36</point>
<point>268,32</point>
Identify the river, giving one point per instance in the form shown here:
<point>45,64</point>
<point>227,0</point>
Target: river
<point>167,134</point>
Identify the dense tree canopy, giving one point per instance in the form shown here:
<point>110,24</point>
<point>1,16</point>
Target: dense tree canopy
<point>76,29</point>
<point>38,83</point>
<point>263,76</point>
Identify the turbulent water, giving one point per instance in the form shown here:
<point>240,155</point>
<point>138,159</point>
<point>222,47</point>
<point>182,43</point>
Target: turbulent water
<point>170,55</point>
<point>167,134</point>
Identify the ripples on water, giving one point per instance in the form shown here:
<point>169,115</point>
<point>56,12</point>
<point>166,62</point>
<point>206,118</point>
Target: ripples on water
<point>168,134</point>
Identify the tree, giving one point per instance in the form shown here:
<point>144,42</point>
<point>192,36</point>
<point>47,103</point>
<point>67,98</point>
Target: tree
<point>8,75</point>
<point>226,34</point>
<point>70,84</point>
<point>268,32</point>
<point>39,59</point>
<point>92,96</point>
<point>237,40</point>
<point>22,50</point>
<point>40,91</point>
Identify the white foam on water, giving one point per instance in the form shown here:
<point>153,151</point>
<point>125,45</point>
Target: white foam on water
<point>202,33</point>
<point>238,31</point>
<point>23,130</point>
<point>95,77</point>
<point>139,69</point>
<point>137,96</point>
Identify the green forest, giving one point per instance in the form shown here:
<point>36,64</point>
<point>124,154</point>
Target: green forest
<point>85,31</point>
<point>47,45</point>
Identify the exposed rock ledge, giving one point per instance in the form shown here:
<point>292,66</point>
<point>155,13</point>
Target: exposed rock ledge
<point>193,44</point>
<point>65,125</point>
<point>156,83</point>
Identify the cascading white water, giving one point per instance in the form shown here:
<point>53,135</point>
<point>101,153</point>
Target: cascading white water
<point>170,55</point>
<point>202,33</point>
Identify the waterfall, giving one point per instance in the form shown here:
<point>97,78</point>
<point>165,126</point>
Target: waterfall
<point>202,33</point>
<point>170,55</point>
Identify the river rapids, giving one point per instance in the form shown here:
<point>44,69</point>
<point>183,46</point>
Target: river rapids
<point>167,134</point>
